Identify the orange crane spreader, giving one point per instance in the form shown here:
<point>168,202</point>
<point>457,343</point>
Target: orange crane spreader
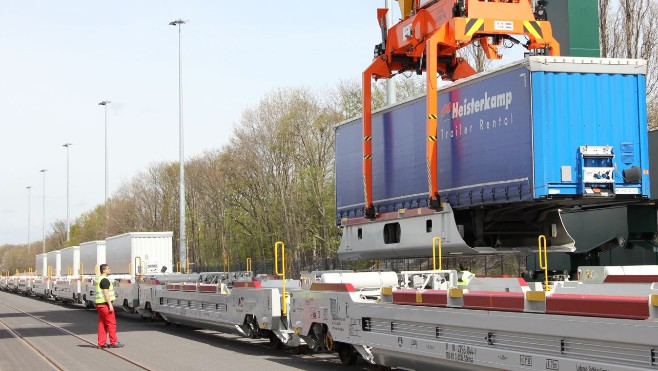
<point>426,39</point>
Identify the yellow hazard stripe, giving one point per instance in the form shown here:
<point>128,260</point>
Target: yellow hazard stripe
<point>432,116</point>
<point>367,138</point>
<point>533,28</point>
<point>367,157</point>
<point>473,25</point>
<point>431,138</point>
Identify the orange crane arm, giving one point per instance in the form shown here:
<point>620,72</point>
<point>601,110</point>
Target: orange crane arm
<point>427,39</point>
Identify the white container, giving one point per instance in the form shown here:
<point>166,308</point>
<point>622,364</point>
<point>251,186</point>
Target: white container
<point>92,255</point>
<point>148,251</point>
<point>41,264</point>
<point>54,263</point>
<point>70,260</point>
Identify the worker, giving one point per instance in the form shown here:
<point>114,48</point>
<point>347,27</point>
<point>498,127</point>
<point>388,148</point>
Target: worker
<point>107,323</point>
<point>464,278</point>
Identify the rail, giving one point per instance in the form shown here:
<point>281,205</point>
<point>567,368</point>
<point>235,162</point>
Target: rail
<point>49,360</point>
<point>248,264</point>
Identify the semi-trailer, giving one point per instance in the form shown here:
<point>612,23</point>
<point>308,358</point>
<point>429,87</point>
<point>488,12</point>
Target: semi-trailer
<point>515,145</point>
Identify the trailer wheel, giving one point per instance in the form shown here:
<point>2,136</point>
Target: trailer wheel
<point>301,349</point>
<point>346,353</point>
<point>275,343</point>
<point>252,329</point>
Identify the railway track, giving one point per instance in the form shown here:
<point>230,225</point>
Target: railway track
<point>296,358</point>
<point>15,332</point>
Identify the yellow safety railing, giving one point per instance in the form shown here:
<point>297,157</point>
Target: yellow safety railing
<point>227,263</point>
<point>249,264</point>
<point>185,266</point>
<point>29,271</point>
<point>17,272</point>
<point>434,243</point>
<point>543,258</point>
<point>289,260</point>
<point>50,271</point>
<point>7,273</point>
<point>138,267</point>
<point>81,269</point>
<point>69,271</point>
<point>282,272</point>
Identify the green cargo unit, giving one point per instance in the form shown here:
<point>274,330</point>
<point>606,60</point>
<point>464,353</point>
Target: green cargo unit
<point>575,26</point>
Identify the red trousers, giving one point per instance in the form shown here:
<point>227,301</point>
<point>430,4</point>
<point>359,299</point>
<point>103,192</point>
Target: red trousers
<point>107,323</point>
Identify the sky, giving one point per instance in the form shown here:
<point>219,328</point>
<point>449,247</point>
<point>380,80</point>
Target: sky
<point>58,60</point>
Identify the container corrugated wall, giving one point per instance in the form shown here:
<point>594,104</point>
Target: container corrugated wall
<point>41,264</point>
<point>55,261</point>
<point>577,109</point>
<point>153,248</point>
<point>92,254</point>
<point>70,260</point>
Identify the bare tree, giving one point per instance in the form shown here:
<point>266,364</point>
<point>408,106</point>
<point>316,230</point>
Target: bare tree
<point>627,30</point>
<point>604,29</point>
<point>56,240</point>
<point>475,56</point>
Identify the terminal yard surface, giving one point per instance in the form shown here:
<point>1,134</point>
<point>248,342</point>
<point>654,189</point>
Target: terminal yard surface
<point>150,344</point>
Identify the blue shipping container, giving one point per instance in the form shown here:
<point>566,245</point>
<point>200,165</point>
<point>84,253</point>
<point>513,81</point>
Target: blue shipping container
<point>529,132</point>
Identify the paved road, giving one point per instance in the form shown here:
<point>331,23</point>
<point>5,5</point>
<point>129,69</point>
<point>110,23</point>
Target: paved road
<point>151,344</point>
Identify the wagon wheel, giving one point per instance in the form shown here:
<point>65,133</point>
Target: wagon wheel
<point>275,343</point>
<point>346,353</point>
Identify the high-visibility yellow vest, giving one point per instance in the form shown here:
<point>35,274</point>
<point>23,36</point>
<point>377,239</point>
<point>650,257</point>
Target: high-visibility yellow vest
<point>465,277</point>
<point>100,298</point>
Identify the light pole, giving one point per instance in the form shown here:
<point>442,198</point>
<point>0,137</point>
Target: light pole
<point>104,104</point>
<point>181,173</point>
<point>29,208</point>
<point>43,171</point>
<point>68,226</point>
